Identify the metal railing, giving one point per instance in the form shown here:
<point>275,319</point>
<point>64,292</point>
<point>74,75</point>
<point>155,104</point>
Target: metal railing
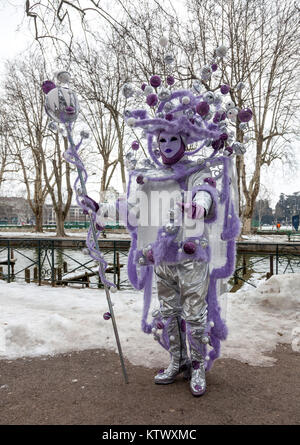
<point>62,261</point>
<point>59,261</point>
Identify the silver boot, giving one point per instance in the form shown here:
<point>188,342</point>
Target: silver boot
<point>198,380</point>
<point>180,362</point>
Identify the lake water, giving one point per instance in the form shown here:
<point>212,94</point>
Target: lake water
<point>77,260</point>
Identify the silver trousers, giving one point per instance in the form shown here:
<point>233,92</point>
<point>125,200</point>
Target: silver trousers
<point>182,290</point>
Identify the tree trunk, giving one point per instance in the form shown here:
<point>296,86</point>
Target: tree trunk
<point>246,229</point>
<point>60,228</point>
<point>38,219</point>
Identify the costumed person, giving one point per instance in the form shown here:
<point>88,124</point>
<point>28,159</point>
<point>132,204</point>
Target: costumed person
<point>182,215</point>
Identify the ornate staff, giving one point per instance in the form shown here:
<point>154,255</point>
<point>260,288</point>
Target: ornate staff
<point>61,105</point>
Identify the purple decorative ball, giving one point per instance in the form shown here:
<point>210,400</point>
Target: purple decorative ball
<point>47,86</point>
<point>202,108</point>
<point>170,80</point>
<point>229,150</point>
<point>149,256</point>
<point>189,247</point>
<point>140,179</point>
<point>98,227</point>
<point>107,315</point>
<point>169,116</point>
<point>135,145</point>
<point>155,81</point>
<point>225,89</point>
<point>152,100</point>
<point>195,364</point>
<point>211,181</point>
<point>214,67</point>
<point>160,325</point>
<point>224,137</point>
<point>217,145</point>
<point>217,117</point>
<point>245,115</point>
<point>143,86</point>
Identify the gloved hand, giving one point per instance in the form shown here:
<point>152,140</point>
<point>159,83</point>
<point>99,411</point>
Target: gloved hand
<point>193,210</point>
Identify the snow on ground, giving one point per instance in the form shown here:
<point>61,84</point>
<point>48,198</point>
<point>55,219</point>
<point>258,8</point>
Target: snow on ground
<point>83,234</point>
<point>43,320</point>
<point>265,238</point>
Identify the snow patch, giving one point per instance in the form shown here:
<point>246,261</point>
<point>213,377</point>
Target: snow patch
<point>37,321</point>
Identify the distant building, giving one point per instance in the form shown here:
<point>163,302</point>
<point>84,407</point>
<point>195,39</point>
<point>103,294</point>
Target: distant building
<point>15,211</point>
<point>75,215</point>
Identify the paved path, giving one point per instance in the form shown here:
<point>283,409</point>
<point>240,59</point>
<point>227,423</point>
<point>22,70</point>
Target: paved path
<point>87,388</point>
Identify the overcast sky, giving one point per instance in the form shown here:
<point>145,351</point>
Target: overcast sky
<point>15,37</point>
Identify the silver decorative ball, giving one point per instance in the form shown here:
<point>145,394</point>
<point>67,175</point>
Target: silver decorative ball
<point>203,243</point>
<point>169,59</point>
<point>84,134</point>
<point>127,113</point>
<point>148,90</point>
<point>209,97</point>
<point>113,290</point>
<point>163,41</point>
<point>243,126</point>
<point>61,105</point>
<point>85,251</point>
<point>163,94</point>
<point>52,126</point>
<point>127,90</point>
<point>155,313</point>
<point>208,116</point>
<point>185,100</point>
<point>229,104</point>
<point>131,122</point>
<point>205,340</point>
<point>189,113</point>
<point>232,114</point>
<point>206,73</point>
<point>63,76</point>
<point>170,228</point>
<point>239,148</point>
<point>211,323</point>
<point>240,86</point>
<point>168,106</point>
<point>221,51</point>
<point>172,338</point>
<point>218,100</point>
<point>197,86</point>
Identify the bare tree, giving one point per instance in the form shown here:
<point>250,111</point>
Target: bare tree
<point>32,144</point>
<point>263,41</point>
<point>98,80</point>
<point>262,38</point>
<point>7,165</point>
